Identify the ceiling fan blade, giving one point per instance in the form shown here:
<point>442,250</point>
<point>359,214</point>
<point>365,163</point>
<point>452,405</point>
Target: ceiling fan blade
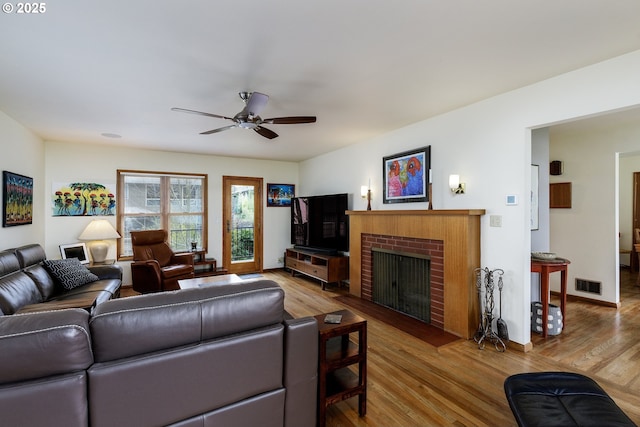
<point>267,133</point>
<point>183,110</point>
<point>290,120</point>
<point>256,103</point>
<point>209,132</point>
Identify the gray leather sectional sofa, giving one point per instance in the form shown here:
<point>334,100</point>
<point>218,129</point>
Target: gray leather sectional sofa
<point>27,286</point>
<point>222,355</point>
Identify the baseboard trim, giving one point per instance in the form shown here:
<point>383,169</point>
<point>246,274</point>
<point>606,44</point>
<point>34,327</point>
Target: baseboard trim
<point>523,348</point>
<point>589,300</point>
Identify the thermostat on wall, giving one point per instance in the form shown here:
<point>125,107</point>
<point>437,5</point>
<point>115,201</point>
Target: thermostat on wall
<point>511,200</point>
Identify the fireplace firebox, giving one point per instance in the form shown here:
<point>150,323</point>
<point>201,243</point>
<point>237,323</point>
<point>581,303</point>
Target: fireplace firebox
<point>401,282</point>
<point>431,250</point>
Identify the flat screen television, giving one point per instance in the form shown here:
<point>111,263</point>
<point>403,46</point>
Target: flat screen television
<point>320,223</point>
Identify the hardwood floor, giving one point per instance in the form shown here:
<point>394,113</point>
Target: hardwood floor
<point>411,383</point>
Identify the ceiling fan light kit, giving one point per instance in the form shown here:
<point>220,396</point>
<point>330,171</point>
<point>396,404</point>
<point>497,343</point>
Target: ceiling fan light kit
<point>249,118</point>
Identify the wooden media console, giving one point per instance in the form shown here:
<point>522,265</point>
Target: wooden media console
<point>326,268</point>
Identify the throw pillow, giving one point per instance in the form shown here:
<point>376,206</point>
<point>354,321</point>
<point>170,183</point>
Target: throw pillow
<point>69,273</point>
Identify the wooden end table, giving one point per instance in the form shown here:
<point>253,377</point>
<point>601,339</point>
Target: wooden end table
<point>544,268</point>
<point>336,382</point>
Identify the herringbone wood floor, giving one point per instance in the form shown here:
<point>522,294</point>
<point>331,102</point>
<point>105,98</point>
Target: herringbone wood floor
<point>411,383</point>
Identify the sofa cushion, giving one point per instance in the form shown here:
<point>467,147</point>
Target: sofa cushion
<point>84,300</point>
<point>8,263</point>
<point>111,271</point>
<point>111,286</point>
<point>129,326</point>
<point>176,270</point>
<point>43,344</point>
<point>69,273</point>
<point>41,277</point>
<point>16,291</point>
<point>30,255</point>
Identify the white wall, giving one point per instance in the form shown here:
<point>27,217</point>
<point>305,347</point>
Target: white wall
<point>587,234</point>
<point>23,153</point>
<point>489,145</point>
<point>67,162</point>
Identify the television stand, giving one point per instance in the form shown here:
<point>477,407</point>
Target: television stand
<point>317,251</point>
<point>326,268</point>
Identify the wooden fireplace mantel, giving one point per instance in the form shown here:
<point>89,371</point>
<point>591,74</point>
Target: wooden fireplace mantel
<point>459,230</point>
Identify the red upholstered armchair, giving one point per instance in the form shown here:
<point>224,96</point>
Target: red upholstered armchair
<point>156,267</point>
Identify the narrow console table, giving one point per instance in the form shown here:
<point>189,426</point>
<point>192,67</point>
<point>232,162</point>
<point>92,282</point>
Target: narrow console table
<point>544,268</point>
<point>336,353</point>
<point>326,268</point>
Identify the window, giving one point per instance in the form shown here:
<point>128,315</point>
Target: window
<point>169,201</point>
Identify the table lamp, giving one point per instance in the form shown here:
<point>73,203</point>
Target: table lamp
<point>97,232</point>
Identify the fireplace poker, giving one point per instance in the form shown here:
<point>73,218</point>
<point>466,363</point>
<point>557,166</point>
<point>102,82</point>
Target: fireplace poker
<point>480,332</point>
<point>501,325</point>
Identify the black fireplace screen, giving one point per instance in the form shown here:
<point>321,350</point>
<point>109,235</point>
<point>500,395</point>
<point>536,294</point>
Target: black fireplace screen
<point>401,282</point>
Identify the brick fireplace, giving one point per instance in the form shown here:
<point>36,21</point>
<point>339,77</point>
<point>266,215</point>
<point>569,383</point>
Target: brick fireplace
<point>410,245</point>
<point>452,238</point>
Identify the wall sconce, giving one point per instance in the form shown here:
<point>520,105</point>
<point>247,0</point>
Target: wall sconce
<point>365,193</point>
<point>456,186</point>
<point>97,232</point>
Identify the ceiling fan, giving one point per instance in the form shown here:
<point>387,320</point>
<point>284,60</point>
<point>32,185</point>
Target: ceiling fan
<point>249,117</point>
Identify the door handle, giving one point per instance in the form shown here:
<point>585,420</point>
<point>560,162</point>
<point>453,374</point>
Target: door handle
<point>228,226</point>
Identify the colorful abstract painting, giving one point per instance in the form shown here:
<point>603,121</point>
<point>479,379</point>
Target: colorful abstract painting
<point>17,201</point>
<point>405,176</point>
<point>82,199</point>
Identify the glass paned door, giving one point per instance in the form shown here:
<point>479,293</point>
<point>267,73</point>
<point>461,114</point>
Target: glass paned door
<point>242,228</point>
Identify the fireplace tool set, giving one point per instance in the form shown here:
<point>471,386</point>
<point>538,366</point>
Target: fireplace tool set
<point>485,284</point>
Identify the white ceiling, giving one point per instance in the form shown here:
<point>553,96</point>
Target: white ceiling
<point>363,67</point>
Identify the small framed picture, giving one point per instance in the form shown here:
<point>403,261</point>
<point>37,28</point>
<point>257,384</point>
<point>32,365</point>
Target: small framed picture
<point>280,194</point>
<point>75,250</point>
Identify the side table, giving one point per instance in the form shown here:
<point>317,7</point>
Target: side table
<point>203,266</point>
<point>336,381</point>
<point>544,268</point>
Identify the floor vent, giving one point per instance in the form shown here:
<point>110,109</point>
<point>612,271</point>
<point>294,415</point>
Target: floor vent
<point>589,286</point>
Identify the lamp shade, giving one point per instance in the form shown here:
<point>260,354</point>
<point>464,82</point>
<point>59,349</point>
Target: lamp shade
<point>99,229</point>
<point>454,181</point>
